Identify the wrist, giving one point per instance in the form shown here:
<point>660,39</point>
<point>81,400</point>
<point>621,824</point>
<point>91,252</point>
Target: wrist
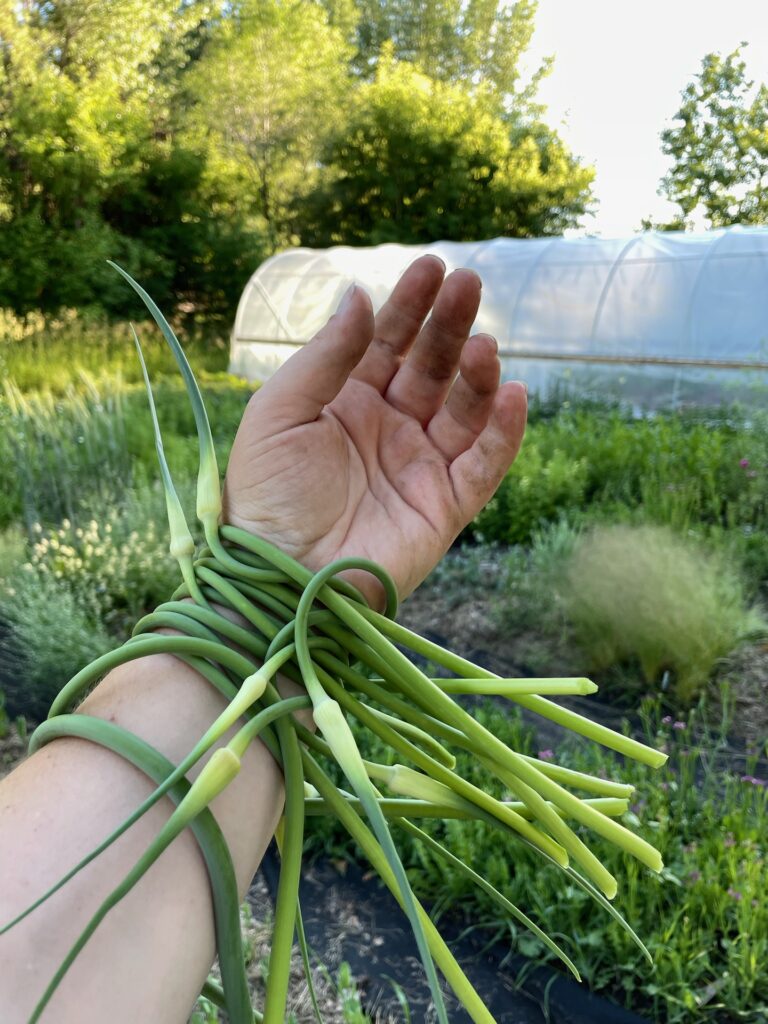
<point>367,584</point>
<point>170,706</point>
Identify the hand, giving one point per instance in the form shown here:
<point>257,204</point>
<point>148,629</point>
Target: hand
<point>364,444</point>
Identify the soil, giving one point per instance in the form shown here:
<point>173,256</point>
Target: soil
<point>350,916</point>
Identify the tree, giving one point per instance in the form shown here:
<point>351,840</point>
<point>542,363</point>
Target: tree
<point>462,41</point>
<point>719,147</point>
<point>265,91</point>
<point>91,165</point>
<point>419,160</point>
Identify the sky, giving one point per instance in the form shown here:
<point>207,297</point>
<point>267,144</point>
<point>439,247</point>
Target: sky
<point>620,66</point>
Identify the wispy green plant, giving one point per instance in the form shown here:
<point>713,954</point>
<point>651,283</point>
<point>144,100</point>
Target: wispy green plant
<point>644,593</point>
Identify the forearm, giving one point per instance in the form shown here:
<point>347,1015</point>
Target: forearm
<point>69,796</point>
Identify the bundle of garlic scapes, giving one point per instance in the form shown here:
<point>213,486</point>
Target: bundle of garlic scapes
<point>319,630</point>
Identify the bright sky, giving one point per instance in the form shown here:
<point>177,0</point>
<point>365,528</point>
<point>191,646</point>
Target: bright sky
<point>620,66</point>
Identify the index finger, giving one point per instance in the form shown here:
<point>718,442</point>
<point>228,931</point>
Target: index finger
<point>399,321</point>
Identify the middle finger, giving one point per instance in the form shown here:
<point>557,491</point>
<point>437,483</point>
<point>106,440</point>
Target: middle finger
<point>420,386</point>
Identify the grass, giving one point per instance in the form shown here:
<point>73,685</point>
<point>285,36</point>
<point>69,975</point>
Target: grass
<point>83,450</point>
<point>647,594</point>
<point>39,354</point>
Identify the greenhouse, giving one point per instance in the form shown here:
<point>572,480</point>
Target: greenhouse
<point>658,319</point>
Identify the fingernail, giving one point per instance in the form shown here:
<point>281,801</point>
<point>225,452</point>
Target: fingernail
<point>346,299</point>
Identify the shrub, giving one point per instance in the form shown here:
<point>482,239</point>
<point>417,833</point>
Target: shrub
<point>645,593</point>
<point>121,561</point>
<point>539,488</point>
<point>46,636</point>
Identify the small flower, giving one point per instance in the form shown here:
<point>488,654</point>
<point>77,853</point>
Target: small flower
<point>666,720</point>
<point>734,894</point>
<point>664,787</point>
<point>743,463</point>
<point>694,876</point>
<point>754,781</point>
<point>546,755</point>
<point>751,474</point>
<point>678,725</point>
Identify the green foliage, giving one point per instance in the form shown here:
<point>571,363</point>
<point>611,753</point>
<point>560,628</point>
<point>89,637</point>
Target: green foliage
<point>719,146</point>
<point>92,164</point>
<point>46,636</point>
<point>417,159</point>
<point>543,484</point>
<point>705,471</point>
<point>264,92</point>
<point>57,453</point>
<point>182,140</point>
<point>704,919</point>
<point>39,354</point>
<point>644,593</point>
<point>69,456</point>
<point>450,41</point>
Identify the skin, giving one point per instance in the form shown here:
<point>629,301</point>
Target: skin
<point>370,407</point>
<point>366,443</point>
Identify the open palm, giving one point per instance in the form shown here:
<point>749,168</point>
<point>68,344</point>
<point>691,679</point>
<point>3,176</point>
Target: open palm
<point>367,443</point>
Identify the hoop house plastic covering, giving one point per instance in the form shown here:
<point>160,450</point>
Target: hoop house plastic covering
<point>656,319</point>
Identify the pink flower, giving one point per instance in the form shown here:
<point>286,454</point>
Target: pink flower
<point>546,755</point>
<point>754,781</point>
<point>743,463</point>
<point>666,720</point>
<point>678,725</point>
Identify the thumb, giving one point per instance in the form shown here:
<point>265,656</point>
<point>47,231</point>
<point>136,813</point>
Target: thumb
<point>314,375</point>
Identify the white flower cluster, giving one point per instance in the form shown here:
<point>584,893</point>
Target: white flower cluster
<point>103,562</point>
